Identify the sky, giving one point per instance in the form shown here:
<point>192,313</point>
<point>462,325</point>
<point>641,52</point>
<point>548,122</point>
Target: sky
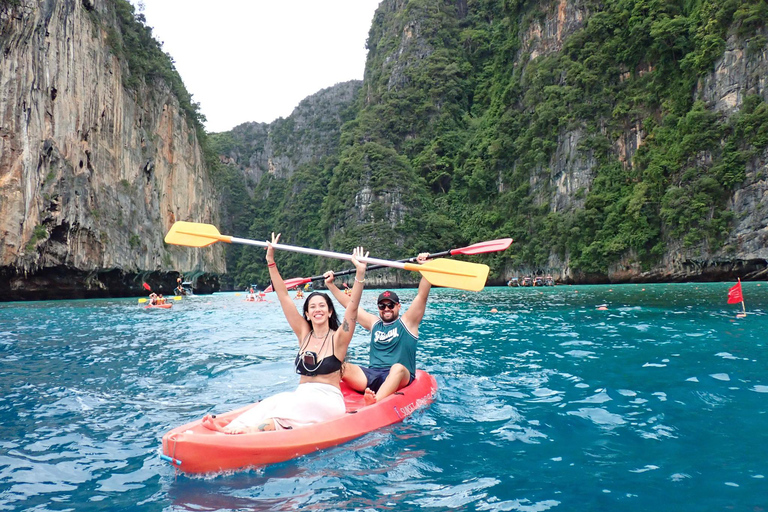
<point>255,60</point>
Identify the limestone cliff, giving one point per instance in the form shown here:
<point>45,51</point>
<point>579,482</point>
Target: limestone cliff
<point>742,70</point>
<point>531,153</point>
<point>308,134</point>
<point>615,141</point>
<point>92,173</point>
<point>274,176</point>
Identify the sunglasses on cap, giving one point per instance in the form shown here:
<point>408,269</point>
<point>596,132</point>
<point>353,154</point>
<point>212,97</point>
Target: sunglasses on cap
<point>386,305</point>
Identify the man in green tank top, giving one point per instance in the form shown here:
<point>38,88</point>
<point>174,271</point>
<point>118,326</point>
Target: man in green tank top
<point>393,341</point>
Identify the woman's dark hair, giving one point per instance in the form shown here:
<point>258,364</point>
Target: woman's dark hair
<point>333,318</point>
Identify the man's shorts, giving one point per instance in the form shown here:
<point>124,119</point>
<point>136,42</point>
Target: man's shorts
<point>376,377</point>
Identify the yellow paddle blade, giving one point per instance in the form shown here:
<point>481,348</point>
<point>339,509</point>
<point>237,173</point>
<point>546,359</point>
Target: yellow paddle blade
<point>461,275</point>
<point>176,297</point>
<point>194,234</point>
<point>142,300</point>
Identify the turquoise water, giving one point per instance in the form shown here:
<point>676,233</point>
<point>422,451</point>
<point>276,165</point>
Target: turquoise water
<point>658,402</point>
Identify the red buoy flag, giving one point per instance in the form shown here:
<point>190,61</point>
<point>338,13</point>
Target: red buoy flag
<point>734,294</point>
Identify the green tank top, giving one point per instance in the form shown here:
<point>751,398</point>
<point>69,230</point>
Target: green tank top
<point>393,343</point>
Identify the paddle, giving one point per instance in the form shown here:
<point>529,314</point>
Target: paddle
<point>440,272</point>
<point>148,288</point>
<point>500,244</point>
<point>177,297</point>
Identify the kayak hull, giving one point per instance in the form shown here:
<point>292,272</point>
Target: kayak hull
<point>192,448</point>
<point>159,306</point>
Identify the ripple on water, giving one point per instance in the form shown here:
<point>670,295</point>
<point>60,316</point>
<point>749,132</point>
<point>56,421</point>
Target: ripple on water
<point>515,432</point>
<point>456,496</point>
<point>711,399</point>
<point>581,354</point>
<point>599,397</point>
<point>599,417</point>
<point>659,432</point>
<point>521,505</point>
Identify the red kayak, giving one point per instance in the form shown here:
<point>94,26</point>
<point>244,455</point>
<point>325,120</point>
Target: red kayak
<point>193,448</point>
<point>159,306</point>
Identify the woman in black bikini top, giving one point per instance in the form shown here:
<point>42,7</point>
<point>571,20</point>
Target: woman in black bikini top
<point>306,360</point>
<point>318,396</point>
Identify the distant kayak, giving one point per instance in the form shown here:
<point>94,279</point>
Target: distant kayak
<point>159,306</point>
<point>193,448</point>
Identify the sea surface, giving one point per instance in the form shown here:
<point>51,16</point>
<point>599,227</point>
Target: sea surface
<point>574,398</point>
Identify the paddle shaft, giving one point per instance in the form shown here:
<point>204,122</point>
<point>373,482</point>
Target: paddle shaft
<point>348,257</point>
<point>478,248</point>
<point>375,267</point>
<point>317,252</point>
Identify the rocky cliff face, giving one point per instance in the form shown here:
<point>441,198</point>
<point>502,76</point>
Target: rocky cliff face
<point>92,174</point>
<point>414,66</point>
<point>744,253</point>
<point>739,72</point>
<point>309,133</point>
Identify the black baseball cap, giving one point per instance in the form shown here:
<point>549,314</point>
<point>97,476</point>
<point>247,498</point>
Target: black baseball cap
<point>388,295</point>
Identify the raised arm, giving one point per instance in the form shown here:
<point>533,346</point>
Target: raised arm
<point>344,334</point>
<point>412,317</point>
<point>364,318</point>
<point>295,320</point>
<point>340,296</point>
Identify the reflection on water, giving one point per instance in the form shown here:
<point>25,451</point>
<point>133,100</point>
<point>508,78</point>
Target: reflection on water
<point>572,398</point>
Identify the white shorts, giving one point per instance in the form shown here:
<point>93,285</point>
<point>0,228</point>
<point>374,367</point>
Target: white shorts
<point>311,402</point>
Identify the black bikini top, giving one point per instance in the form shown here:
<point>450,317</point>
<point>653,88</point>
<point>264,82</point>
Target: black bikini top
<point>307,364</point>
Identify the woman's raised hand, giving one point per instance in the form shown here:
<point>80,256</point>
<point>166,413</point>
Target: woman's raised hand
<point>356,254</point>
<point>270,249</point>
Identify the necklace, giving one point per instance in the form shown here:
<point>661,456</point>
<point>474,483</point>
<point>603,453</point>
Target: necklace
<point>311,357</point>
<point>324,338</point>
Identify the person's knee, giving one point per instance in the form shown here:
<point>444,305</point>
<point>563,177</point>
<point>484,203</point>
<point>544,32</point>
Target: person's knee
<point>399,370</point>
<point>351,372</point>
<point>401,373</point>
<point>354,376</point>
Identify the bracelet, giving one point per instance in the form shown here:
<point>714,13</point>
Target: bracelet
<point>359,281</point>
<point>273,264</point>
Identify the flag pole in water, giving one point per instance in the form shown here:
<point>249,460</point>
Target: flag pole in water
<point>735,296</point>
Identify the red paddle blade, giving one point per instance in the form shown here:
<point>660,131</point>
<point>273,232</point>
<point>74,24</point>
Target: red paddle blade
<point>482,247</point>
<point>296,281</point>
<point>147,287</point>
<point>290,283</point>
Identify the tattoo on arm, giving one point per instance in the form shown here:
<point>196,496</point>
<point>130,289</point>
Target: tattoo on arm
<point>345,325</point>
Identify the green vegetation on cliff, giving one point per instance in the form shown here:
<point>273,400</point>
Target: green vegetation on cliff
<point>637,63</point>
<point>455,138</point>
<point>132,42</point>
